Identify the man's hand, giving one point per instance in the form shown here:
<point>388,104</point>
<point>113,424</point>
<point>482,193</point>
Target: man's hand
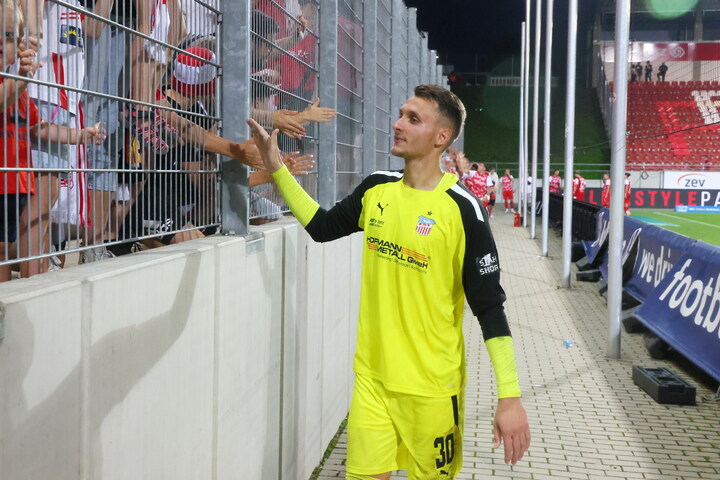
<point>298,164</point>
<point>93,135</point>
<point>283,120</point>
<point>248,153</point>
<point>267,145</point>
<point>27,65</point>
<point>314,113</point>
<point>511,428</point>
<point>303,23</point>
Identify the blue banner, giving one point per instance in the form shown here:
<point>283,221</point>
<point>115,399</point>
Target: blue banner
<point>684,309</point>
<point>597,247</point>
<point>658,251</point>
<point>686,209</point>
<point>631,231</point>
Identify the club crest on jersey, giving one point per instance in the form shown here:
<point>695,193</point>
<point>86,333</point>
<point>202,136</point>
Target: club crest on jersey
<point>424,225</point>
<point>71,35</point>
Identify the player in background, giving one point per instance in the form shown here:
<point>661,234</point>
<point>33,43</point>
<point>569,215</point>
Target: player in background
<point>579,186</point>
<point>507,191</point>
<point>605,197</point>
<point>628,189</point>
<point>555,182</point>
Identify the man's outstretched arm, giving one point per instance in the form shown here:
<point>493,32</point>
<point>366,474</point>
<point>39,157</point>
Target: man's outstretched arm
<point>322,225</point>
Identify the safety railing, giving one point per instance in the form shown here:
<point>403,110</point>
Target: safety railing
<point>127,128</point>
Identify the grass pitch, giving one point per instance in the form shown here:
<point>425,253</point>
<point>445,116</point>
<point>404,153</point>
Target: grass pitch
<point>701,226</point>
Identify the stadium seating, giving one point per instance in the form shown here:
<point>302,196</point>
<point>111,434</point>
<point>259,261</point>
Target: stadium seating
<point>673,125</point>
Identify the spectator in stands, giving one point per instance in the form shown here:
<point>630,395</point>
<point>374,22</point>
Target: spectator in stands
<point>62,56</point>
<point>167,202</point>
<point>579,185</point>
<point>105,61</point>
<point>638,71</point>
<point>628,189</point>
<point>162,20</point>
<point>292,25</point>
<point>18,116</point>
<point>648,71</point>
<point>662,70</point>
<point>21,124</point>
<point>296,69</point>
<point>266,82</point>
<point>605,196</point>
<point>633,74</point>
<point>200,21</point>
<point>507,189</point>
<point>108,64</point>
<point>555,182</point>
<point>407,378</point>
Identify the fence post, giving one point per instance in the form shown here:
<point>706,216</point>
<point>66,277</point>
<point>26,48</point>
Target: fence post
<point>413,51</point>
<point>234,33</point>
<point>370,11</point>
<point>433,67</point>
<point>327,135</point>
<point>399,65</point>
<point>424,58</point>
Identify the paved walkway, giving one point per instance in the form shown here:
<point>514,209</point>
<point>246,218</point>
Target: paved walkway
<point>588,419</point>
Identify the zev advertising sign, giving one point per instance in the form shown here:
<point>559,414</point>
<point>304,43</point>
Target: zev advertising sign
<point>691,180</point>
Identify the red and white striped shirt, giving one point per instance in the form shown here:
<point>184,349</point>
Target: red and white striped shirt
<point>63,54</point>
<point>507,183</point>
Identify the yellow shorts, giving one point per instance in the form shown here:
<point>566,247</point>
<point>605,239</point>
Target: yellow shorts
<point>389,431</point>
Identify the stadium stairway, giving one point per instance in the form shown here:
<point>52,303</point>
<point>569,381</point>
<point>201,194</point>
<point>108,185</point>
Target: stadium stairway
<point>589,421</point>
<point>673,126</point>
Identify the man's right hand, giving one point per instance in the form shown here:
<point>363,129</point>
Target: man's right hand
<point>28,64</point>
<point>268,146</point>
<point>285,121</point>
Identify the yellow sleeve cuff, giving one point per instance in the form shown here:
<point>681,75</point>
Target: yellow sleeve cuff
<point>502,356</point>
<point>301,204</point>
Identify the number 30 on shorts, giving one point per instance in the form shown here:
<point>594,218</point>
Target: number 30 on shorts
<point>446,450</point>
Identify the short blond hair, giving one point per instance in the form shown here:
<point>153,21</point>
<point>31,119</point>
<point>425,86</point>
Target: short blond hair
<point>18,17</point>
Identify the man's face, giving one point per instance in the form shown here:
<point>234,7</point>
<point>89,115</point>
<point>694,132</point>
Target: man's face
<point>481,168</point>
<point>418,130</point>
<point>9,50</point>
<point>262,48</point>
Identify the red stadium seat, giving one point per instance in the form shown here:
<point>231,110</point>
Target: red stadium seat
<point>663,119</point>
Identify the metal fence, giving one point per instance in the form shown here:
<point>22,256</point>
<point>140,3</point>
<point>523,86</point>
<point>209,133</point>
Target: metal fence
<point>134,113</point>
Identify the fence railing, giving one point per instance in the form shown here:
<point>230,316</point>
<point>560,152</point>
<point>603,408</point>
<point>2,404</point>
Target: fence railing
<point>135,112</point>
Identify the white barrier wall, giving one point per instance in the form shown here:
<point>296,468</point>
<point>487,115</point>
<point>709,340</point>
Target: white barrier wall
<point>222,358</point>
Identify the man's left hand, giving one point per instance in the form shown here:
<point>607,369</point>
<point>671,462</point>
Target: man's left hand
<point>511,428</point>
<point>248,153</point>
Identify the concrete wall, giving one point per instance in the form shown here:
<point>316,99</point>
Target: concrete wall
<point>222,358</point>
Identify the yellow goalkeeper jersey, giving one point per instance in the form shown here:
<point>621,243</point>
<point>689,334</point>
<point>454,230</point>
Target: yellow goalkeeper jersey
<point>424,252</point>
